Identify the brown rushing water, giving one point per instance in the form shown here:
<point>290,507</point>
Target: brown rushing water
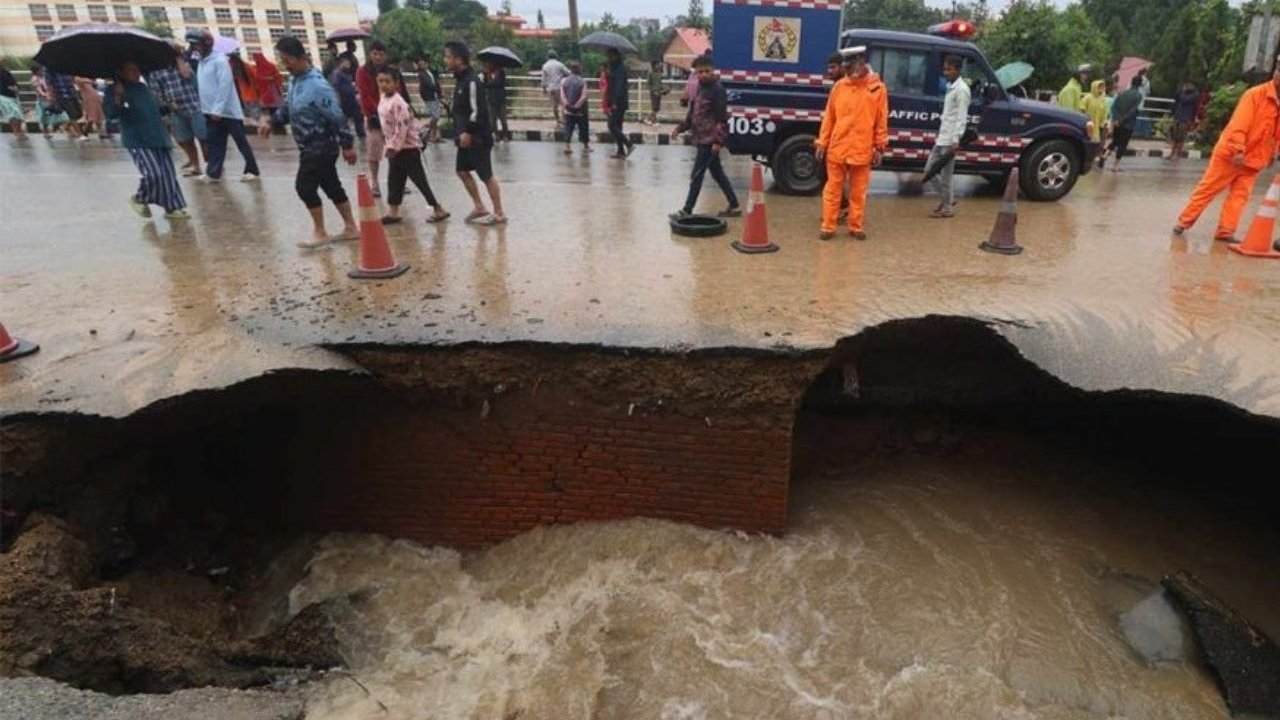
<point>982,584</point>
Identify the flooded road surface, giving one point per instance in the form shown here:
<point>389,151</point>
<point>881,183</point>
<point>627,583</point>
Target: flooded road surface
<point>131,312</point>
<point>915,587</point>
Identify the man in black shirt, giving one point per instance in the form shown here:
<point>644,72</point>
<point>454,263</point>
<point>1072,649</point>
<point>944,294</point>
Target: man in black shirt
<point>618,103</point>
<point>474,134</point>
<point>429,88</point>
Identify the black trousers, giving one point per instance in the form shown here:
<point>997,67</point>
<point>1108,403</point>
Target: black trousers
<point>579,123</point>
<point>1120,138</point>
<point>498,116</point>
<point>704,161</point>
<point>616,116</point>
<point>316,172</point>
<point>407,165</point>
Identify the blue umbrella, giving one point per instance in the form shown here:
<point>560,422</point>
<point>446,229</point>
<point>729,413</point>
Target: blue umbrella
<point>1015,73</point>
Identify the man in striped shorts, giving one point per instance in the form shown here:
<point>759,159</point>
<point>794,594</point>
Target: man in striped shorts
<point>147,141</point>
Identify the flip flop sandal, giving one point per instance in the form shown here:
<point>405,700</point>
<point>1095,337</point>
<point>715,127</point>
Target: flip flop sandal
<point>314,244</point>
<point>438,218</point>
<point>388,220</point>
<point>499,219</point>
<point>345,237</point>
<point>475,215</point>
<point>488,220</point>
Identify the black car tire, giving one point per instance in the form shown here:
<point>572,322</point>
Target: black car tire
<point>796,168</point>
<point>699,226</point>
<point>1049,169</point>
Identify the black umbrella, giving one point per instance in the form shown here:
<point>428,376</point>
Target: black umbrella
<point>970,135</point>
<point>608,41</point>
<point>98,50</point>
<point>346,34</point>
<point>500,56</point>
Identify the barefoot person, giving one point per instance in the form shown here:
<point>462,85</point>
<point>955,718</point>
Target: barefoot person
<point>474,135</point>
<point>404,150</point>
<point>319,129</point>
<point>145,137</point>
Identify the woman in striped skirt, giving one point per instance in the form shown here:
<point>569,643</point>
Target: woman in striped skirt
<point>147,141</point>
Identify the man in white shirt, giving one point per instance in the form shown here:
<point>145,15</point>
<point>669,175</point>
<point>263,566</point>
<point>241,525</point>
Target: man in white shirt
<point>955,118</point>
<point>553,73</point>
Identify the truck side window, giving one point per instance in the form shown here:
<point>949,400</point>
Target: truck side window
<point>903,71</point>
<point>975,73</point>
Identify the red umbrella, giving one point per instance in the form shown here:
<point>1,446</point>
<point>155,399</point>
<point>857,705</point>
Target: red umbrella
<point>1129,67</point>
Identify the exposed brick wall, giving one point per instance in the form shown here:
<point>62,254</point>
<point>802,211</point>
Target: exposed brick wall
<point>450,475</point>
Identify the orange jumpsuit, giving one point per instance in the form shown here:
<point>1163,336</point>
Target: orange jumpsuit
<point>855,126</point>
<point>1252,132</point>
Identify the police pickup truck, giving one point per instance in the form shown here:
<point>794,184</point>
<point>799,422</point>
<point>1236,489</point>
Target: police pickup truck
<point>771,56</point>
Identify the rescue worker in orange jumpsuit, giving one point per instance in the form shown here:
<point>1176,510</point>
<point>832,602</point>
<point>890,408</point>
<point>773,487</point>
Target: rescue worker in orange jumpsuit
<point>853,139</point>
<point>1247,145</point>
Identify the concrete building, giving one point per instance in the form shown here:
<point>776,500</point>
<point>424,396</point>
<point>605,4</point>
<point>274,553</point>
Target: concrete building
<point>256,24</point>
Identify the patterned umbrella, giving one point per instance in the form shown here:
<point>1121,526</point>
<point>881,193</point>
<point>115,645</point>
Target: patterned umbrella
<point>98,50</point>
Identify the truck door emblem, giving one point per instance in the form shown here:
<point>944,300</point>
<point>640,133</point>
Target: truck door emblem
<point>777,39</point>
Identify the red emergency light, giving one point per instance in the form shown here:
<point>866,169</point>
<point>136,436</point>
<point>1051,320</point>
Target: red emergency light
<point>958,29</point>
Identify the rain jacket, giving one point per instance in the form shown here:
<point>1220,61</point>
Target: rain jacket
<point>313,111</point>
<point>856,121</point>
<point>1253,127</point>
<point>1072,95</point>
<point>1094,106</point>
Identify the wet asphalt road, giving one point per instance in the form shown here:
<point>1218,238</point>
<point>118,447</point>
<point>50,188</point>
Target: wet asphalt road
<point>129,312</point>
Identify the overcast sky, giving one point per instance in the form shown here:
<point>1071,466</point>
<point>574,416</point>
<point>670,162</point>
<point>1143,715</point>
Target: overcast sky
<point>557,11</point>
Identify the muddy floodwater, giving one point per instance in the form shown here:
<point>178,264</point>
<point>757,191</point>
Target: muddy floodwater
<point>984,583</point>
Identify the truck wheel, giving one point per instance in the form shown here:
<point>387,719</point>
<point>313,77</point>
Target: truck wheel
<point>795,167</point>
<point>1049,170</point>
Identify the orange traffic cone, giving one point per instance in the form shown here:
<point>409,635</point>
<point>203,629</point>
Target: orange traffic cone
<point>1258,242</point>
<point>755,235</point>
<point>12,348</point>
<point>376,260</point>
<point>1004,236</point>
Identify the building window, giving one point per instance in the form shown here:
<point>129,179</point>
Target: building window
<point>44,32</point>
<point>252,50</point>
<point>155,15</point>
<point>273,16</point>
<point>320,38</point>
<point>317,19</point>
<point>66,13</point>
<point>276,33</point>
<point>222,15</point>
<point>192,15</point>
<point>250,34</point>
<point>124,13</point>
<point>39,12</point>
<point>295,16</point>
<point>98,13</point>
<point>246,15</point>
<point>227,32</point>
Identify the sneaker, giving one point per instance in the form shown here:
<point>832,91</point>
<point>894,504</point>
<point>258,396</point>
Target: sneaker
<point>211,180</point>
<point>679,214</point>
<point>731,212</point>
<point>248,177</point>
<point>1232,239</point>
<point>857,235</point>
<point>139,207</point>
<point>179,214</point>
<point>1179,230</point>
<point>826,234</point>
<point>942,213</point>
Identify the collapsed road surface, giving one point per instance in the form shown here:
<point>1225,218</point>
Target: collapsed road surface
<point>959,506</point>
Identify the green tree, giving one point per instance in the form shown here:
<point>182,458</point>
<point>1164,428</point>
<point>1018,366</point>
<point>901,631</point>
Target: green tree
<point>607,22</point>
<point>417,4</point>
<point>908,15</point>
<point>159,29</point>
<point>542,22</point>
<point>485,32</point>
<point>506,8</point>
<point>458,14</point>
<point>386,6</point>
<point>1025,32</point>
<point>408,32</point>
<point>1083,41</point>
<point>696,16</point>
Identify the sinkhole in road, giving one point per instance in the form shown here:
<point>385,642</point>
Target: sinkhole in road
<point>171,548</point>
